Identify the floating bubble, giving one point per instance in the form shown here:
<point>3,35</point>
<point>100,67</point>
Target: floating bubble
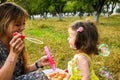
<point>104,50</point>
<point>105,73</point>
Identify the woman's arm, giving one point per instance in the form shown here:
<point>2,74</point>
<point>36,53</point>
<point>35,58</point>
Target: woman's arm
<point>43,61</point>
<point>16,47</point>
<point>31,68</point>
<point>7,69</point>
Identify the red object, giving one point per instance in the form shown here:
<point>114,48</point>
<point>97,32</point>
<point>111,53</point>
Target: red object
<point>66,70</point>
<point>15,33</point>
<point>22,36</point>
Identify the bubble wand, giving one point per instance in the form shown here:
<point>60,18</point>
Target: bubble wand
<point>29,38</point>
<point>52,63</point>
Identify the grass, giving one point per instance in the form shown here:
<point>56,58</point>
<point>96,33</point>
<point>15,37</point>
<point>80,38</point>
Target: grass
<point>54,35</point>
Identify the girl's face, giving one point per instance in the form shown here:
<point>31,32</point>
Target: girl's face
<point>17,26</point>
<point>71,39</point>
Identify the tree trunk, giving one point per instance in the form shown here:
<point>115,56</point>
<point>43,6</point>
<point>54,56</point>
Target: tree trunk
<point>29,16</point>
<point>80,14</point>
<point>107,15</point>
<point>45,15</point>
<point>60,16</point>
<point>33,17</point>
<point>96,16</point>
<point>40,17</point>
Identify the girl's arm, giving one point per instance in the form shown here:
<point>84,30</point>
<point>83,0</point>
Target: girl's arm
<point>84,67</point>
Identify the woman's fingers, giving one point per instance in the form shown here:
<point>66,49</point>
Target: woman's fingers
<point>17,44</point>
<point>19,47</point>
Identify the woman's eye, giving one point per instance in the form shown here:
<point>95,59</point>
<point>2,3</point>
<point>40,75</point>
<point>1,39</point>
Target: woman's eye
<point>23,23</point>
<point>18,25</point>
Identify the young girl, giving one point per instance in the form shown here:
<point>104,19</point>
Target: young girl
<point>83,37</point>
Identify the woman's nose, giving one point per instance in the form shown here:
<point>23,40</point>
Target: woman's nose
<point>22,27</point>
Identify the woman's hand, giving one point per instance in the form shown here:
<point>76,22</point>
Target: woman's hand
<point>16,44</point>
<point>43,61</point>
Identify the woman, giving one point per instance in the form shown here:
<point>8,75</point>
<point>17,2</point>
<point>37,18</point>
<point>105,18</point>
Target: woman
<point>13,61</point>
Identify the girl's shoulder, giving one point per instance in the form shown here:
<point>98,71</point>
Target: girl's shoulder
<point>83,57</point>
<point>82,61</point>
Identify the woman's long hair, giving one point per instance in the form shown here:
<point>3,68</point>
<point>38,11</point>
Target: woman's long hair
<point>11,12</point>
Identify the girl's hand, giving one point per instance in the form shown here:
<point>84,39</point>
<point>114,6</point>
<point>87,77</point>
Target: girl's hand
<point>16,44</point>
<point>43,61</point>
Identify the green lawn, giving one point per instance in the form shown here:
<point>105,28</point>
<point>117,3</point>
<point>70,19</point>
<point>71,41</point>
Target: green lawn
<point>54,35</point>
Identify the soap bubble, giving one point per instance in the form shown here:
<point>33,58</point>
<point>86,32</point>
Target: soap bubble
<point>104,50</point>
<point>105,73</point>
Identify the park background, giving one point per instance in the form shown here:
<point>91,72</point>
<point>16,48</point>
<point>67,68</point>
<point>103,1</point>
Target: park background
<point>49,21</point>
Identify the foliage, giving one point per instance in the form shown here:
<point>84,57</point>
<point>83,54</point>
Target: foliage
<point>69,7</point>
<point>2,1</point>
<point>58,7</point>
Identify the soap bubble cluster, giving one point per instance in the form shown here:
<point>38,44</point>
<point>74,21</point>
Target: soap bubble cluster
<point>105,73</point>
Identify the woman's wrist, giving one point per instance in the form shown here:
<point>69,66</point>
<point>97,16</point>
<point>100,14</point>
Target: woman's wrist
<point>37,66</point>
<point>12,57</point>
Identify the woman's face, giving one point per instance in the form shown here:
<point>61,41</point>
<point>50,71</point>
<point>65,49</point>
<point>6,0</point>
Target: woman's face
<point>71,39</point>
<point>17,26</point>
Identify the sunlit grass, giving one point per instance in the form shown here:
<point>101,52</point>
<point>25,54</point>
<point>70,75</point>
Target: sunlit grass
<point>54,34</point>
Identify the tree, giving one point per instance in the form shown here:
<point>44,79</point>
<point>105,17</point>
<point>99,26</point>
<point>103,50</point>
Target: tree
<point>58,5</point>
<point>70,7</point>
<point>29,5</point>
<point>109,7</point>
<point>43,8</point>
<point>98,5</point>
<point>78,6</point>
<point>118,9</point>
<point>2,1</point>
<point>95,6</point>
